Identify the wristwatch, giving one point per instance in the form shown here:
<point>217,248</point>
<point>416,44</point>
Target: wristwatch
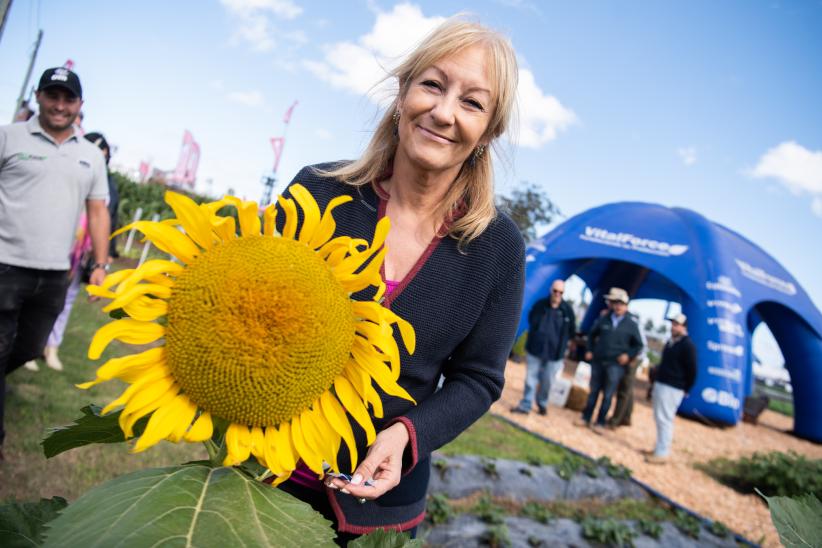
<point>105,266</point>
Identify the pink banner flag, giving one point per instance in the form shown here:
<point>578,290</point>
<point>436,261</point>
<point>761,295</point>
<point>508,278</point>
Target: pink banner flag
<point>289,112</point>
<point>277,144</point>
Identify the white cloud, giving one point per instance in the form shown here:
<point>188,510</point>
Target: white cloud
<point>541,116</point>
<point>251,98</point>
<point>794,166</point>
<point>284,9</point>
<point>253,23</point>
<point>797,168</point>
<point>687,155</point>
<point>358,66</point>
<point>323,134</point>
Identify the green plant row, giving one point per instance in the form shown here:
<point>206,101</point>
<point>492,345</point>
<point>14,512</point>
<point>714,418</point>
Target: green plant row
<point>603,524</point>
<point>775,474</point>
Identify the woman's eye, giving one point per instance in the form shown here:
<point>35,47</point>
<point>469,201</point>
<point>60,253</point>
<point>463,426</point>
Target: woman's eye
<point>475,104</point>
<point>432,84</point>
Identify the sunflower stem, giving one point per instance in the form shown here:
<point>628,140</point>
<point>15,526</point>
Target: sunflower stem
<point>213,452</point>
<point>264,476</point>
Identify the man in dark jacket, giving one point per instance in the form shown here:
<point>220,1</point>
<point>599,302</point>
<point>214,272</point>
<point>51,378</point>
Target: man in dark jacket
<point>551,323</point>
<point>675,376</point>
<point>614,341</point>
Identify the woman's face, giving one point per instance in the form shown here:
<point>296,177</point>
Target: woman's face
<point>446,111</point>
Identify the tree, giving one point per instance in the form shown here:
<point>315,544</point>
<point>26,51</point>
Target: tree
<point>528,206</point>
<point>649,325</point>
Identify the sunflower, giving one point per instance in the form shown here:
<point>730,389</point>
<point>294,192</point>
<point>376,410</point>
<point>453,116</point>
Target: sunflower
<point>259,330</point>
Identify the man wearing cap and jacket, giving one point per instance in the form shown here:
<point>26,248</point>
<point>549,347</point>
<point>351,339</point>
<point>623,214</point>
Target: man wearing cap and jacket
<point>551,323</point>
<point>614,341</point>
<point>48,174</point>
<point>675,376</point>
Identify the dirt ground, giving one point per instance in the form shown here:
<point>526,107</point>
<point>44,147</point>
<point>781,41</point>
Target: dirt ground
<point>693,443</point>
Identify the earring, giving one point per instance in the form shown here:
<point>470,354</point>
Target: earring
<point>476,155</point>
<point>396,119</point>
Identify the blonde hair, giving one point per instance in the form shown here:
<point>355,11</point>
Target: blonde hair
<point>472,192</point>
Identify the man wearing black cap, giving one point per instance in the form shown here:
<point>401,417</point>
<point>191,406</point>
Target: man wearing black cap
<point>675,376</point>
<point>48,174</point>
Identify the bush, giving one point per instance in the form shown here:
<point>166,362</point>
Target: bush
<point>775,474</point>
<point>148,196</point>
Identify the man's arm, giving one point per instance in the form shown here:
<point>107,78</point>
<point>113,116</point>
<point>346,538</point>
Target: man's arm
<point>99,230</point>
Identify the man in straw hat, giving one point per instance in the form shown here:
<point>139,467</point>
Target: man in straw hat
<point>675,376</point>
<point>614,341</point>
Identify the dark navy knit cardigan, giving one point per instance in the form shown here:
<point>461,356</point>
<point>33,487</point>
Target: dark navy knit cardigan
<point>464,307</point>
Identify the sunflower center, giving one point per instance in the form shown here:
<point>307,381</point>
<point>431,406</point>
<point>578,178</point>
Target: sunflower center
<point>258,328</point>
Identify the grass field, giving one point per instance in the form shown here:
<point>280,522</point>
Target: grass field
<point>41,400</point>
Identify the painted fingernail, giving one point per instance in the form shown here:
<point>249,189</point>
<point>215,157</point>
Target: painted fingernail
<point>357,479</point>
<point>344,491</point>
<point>332,486</point>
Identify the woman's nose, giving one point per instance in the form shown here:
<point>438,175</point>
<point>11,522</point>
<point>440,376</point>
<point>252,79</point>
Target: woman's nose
<point>443,111</point>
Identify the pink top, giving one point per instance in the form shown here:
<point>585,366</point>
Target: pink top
<point>390,286</point>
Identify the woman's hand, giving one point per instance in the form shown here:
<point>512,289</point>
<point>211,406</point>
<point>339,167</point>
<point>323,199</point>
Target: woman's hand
<point>381,469</point>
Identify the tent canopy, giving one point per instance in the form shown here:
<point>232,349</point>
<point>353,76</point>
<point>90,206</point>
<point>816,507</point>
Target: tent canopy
<point>725,284</point>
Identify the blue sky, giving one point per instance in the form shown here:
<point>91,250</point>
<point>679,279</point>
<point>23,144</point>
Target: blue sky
<point>712,106</point>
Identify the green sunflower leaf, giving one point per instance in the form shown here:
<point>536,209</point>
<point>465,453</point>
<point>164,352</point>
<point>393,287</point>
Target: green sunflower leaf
<point>22,523</point>
<point>385,539</point>
<point>798,520</point>
<point>90,428</point>
<point>191,506</point>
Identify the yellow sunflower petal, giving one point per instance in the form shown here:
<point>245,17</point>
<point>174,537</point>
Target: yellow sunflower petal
<point>311,212</point>
<point>225,227</point>
<point>238,444</point>
<point>354,405</point>
<point>146,379</point>
<point>194,221</point>
<point>313,437</point>
<point>138,290</point>
<point>309,456</point>
<point>373,398</point>
<point>247,213</point>
<point>150,393</point>
<point>285,447</point>
<point>270,221</point>
<point>201,430</point>
<point>279,479</point>
<point>128,420</point>
<point>290,210</point>
<point>146,309</point>
<point>327,224</point>
<point>327,436</point>
<point>335,414</point>
<point>98,291</point>
<point>168,239</point>
<point>128,368</point>
<point>357,377</point>
<point>115,278</point>
<point>126,330</point>
<point>258,442</point>
<point>383,377</point>
<point>148,270</point>
<point>271,451</point>
<point>184,415</point>
<point>161,424</point>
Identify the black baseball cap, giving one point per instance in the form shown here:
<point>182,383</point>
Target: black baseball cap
<point>61,77</point>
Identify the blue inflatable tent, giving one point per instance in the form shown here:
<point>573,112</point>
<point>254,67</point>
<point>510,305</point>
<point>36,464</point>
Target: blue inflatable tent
<point>725,284</point>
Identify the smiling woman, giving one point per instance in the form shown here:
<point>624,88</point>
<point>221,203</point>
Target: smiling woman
<point>453,266</point>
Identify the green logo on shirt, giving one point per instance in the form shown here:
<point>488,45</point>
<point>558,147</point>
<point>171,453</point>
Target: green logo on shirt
<point>27,156</point>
